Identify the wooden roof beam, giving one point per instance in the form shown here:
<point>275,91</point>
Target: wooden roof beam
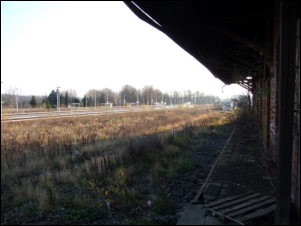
<point>239,19</point>
<point>230,34</point>
<point>245,86</point>
<point>236,57</point>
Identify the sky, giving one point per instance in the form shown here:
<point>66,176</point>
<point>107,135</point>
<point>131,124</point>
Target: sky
<point>93,45</point>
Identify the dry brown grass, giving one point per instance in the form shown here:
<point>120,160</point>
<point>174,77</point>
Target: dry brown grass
<point>56,135</point>
<point>30,146</point>
<point>38,156</point>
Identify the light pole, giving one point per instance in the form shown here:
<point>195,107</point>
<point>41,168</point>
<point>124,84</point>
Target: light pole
<point>58,99</point>
<point>16,100</point>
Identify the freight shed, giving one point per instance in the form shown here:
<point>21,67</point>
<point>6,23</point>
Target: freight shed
<point>255,44</point>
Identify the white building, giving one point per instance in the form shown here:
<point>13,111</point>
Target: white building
<point>227,106</point>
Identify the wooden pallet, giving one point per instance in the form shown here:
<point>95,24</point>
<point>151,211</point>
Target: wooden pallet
<point>242,208</point>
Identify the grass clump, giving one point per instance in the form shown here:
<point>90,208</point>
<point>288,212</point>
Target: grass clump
<point>185,164</point>
<point>181,141</point>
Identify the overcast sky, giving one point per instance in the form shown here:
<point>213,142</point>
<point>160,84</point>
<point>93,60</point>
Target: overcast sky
<point>93,45</point>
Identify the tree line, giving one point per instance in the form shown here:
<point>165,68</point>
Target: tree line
<point>127,95</point>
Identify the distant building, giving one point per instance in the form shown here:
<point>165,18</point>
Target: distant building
<point>227,106</point>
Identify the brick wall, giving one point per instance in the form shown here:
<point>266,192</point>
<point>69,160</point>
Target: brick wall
<point>267,108</point>
<point>274,84</point>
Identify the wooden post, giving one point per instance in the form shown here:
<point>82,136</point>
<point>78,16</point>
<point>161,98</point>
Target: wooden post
<point>286,109</point>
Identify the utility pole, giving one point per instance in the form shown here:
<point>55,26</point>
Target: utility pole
<point>16,100</point>
<point>137,99</point>
<point>58,99</point>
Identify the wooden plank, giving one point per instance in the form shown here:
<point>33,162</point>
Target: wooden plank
<point>222,217</point>
<point>200,192</point>
<point>235,202</point>
<point>220,201</point>
<point>252,208</point>
<point>257,214</point>
<point>244,205</point>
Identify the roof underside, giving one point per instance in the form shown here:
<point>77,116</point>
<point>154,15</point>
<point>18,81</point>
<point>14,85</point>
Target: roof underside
<point>227,37</point>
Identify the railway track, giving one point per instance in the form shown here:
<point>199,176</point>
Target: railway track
<point>47,115</point>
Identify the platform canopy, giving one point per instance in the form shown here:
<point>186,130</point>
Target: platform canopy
<point>227,37</point>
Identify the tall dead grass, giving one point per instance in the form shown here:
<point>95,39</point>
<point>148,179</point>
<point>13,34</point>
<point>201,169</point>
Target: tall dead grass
<point>61,151</point>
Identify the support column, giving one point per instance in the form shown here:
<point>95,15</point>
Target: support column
<point>288,14</point>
